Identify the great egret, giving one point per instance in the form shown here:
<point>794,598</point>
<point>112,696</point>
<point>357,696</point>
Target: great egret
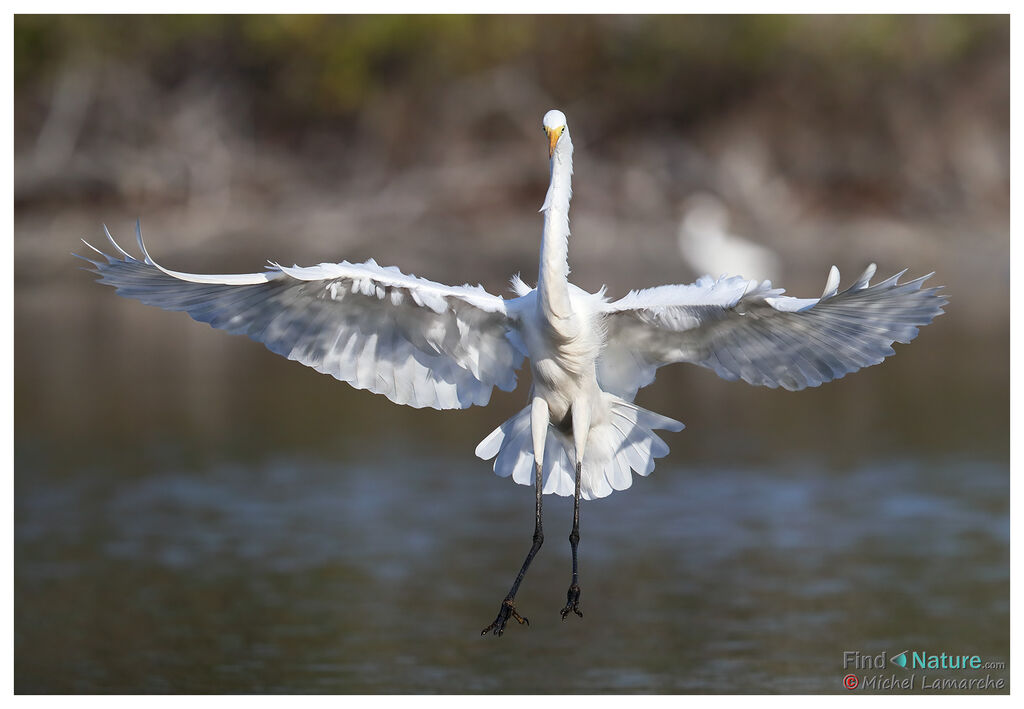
<point>708,245</point>
<point>421,343</point>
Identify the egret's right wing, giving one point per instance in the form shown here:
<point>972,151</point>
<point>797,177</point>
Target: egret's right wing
<point>415,341</point>
<point>748,330</point>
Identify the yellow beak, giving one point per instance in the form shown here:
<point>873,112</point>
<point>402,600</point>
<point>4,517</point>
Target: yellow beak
<point>553,135</point>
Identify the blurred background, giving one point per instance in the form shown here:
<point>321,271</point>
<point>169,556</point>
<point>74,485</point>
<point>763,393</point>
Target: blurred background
<point>194,514</point>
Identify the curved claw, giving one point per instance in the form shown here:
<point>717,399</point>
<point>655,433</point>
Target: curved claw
<point>572,602</point>
<point>508,610</point>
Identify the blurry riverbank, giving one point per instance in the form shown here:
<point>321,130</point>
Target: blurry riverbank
<point>832,140</point>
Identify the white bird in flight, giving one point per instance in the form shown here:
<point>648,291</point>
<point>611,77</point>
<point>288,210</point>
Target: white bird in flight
<point>422,343</point>
<point>708,245</point>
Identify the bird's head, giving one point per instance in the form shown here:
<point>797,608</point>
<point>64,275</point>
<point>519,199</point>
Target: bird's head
<point>554,127</point>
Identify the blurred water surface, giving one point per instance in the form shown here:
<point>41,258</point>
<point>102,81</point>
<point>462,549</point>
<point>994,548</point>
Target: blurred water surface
<point>194,514</point>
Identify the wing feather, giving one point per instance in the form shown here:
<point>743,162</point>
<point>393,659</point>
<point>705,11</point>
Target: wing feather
<point>415,341</point>
<point>751,331</point>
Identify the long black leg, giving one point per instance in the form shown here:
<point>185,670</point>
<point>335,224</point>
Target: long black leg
<point>508,608</point>
<point>572,602</point>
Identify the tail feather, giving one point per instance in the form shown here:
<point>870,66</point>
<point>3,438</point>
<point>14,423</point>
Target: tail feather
<point>622,444</point>
<point>495,441</point>
<point>559,472</point>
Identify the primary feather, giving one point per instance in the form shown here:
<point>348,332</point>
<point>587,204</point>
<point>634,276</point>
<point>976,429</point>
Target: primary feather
<point>746,330</point>
<point>415,341</point>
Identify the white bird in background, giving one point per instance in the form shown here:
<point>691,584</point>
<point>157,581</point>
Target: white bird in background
<point>709,247</point>
<point>425,344</point>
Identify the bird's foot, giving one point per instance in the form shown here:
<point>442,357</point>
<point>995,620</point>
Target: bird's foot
<point>572,602</point>
<point>508,610</point>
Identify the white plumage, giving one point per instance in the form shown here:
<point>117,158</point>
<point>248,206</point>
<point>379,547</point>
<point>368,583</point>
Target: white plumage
<point>422,343</point>
<point>425,344</point>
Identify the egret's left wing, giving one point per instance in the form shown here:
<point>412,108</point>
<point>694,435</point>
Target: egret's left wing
<point>748,330</point>
<point>415,341</point>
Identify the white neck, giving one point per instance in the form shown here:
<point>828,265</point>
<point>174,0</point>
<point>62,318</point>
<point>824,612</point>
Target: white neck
<point>553,279</point>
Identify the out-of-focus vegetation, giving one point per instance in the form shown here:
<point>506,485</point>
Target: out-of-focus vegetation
<point>309,67</point>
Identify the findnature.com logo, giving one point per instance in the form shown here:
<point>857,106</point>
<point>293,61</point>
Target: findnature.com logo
<point>911,660</point>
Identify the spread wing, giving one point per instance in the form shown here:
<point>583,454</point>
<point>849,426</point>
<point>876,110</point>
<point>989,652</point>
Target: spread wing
<point>414,341</point>
<point>751,331</point>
